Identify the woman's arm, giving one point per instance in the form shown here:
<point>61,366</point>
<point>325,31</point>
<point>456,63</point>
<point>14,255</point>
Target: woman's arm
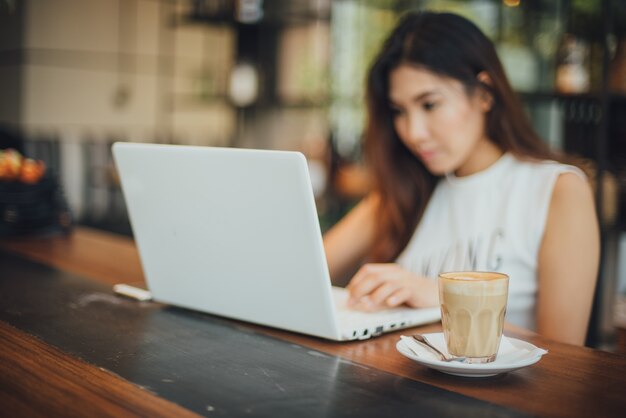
<point>374,286</point>
<point>348,242</point>
<point>568,262</point>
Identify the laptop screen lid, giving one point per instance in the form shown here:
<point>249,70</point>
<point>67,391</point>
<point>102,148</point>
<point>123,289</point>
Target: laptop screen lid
<point>232,232</point>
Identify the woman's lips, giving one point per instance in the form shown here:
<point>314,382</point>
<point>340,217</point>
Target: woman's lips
<point>427,155</point>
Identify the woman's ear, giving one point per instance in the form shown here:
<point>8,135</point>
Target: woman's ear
<point>485,96</point>
<point>484,78</point>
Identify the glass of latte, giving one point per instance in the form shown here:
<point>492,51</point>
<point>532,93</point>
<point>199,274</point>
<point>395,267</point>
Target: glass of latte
<point>473,305</point>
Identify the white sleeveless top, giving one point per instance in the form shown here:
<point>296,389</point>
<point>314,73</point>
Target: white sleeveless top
<point>493,220</point>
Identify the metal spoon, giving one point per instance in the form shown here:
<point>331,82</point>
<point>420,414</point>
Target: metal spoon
<point>443,357</point>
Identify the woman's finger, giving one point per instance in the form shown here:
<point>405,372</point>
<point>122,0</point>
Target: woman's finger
<point>401,296</point>
<point>369,269</point>
<point>382,292</point>
<point>364,288</point>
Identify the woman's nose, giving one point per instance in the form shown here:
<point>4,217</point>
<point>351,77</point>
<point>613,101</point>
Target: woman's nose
<point>416,129</point>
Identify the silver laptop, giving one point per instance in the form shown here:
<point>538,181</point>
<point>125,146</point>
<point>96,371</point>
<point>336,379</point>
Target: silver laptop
<point>235,233</point>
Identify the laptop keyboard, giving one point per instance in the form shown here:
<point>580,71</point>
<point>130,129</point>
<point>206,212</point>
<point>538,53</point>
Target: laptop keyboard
<point>347,316</point>
<point>356,324</point>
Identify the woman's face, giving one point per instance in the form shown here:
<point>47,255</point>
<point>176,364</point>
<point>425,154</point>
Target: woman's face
<point>436,119</point>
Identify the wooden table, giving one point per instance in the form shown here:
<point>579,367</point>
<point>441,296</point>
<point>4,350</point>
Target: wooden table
<point>40,378</point>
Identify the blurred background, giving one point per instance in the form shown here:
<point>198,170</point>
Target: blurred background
<point>78,75</point>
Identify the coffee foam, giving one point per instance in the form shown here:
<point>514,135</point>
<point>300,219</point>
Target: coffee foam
<point>473,275</point>
<point>475,284</point>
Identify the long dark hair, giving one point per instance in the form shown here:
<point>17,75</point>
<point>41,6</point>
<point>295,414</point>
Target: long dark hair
<point>451,46</point>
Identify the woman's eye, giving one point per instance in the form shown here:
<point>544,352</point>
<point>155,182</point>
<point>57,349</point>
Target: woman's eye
<point>429,105</point>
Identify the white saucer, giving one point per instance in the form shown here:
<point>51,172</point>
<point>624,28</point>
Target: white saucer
<point>512,355</point>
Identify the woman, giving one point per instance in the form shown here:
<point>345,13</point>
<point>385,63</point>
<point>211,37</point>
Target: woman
<point>462,182</point>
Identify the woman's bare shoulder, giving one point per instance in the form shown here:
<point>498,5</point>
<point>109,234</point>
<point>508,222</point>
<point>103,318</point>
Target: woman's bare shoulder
<point>571,189</point>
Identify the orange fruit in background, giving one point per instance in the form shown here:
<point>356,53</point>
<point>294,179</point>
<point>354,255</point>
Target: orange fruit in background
<point>10,164</point>
<point>13,166</point>
<point>32,171</point>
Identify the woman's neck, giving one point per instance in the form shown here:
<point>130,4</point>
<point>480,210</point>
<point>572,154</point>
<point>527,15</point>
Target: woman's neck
<point>484,155</point>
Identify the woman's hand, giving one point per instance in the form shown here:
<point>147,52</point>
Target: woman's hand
<point>381,286</point>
